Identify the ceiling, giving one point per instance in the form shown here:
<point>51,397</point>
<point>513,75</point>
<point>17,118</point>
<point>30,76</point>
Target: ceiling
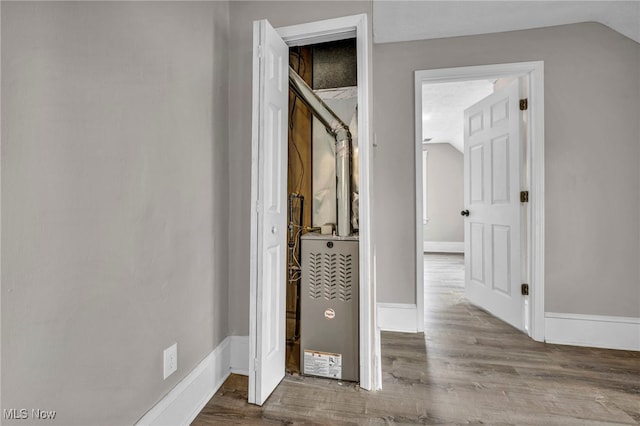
<point>419,20</point>
<point>443,106</point>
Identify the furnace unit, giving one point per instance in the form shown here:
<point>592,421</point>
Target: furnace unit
<point>329,307</point>
<point>329,269</point>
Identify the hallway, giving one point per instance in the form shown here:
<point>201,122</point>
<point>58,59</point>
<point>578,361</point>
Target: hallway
<point>468,368</point>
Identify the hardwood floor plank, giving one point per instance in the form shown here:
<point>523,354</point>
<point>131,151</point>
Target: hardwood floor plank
<point>467,368</point>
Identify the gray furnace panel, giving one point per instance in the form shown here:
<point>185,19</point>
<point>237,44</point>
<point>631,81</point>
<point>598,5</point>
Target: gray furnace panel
<point>329,338</point>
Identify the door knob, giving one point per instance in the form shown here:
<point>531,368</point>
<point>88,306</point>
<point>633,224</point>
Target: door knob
<point>464,212</point>
<point>273,230</point>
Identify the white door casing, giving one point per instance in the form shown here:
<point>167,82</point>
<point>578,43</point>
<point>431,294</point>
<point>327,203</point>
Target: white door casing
<point>268,268</point>
<point>492,184</point>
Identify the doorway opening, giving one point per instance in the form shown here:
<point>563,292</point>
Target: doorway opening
<point>443,106</point>
<point>442,213</point>
<point>279,206</point>
<point>322,272</point>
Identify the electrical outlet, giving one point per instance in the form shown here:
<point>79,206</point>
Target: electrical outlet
<point>170,360</point>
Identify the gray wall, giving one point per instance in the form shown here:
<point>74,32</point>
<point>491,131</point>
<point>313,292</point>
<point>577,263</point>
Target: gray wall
<point>114,202</point>
<point>592,142</point>
<point>240,68</point>
<point>445,193</point>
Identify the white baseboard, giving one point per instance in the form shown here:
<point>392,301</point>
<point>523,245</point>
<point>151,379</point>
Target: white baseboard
<point>592,330</point>
<point>183,403</point>
<point>443,247</point>
<point>397,317</point>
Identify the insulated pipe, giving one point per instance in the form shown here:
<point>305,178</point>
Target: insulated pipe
<point>340,131</point>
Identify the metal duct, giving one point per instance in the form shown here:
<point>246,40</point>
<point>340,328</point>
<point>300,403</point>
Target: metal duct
<point>340,131</point>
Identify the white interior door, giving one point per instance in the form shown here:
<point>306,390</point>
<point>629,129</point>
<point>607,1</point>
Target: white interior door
<point>270,100</point>
<point>492,170</point>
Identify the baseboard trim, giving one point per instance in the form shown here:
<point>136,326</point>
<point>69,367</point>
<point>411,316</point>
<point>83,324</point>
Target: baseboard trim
<point>443,247</point>
<point>183,403</point>
<point>593,331</point>
<point>397,317</point>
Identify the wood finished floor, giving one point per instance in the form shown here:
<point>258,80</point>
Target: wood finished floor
<point>468,368</point>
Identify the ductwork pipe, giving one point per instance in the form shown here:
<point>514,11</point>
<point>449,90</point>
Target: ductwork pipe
<point>340,131</point>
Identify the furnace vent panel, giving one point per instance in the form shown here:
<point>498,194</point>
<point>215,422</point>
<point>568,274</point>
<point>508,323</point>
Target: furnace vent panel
<point>329,307</point>
<point>330,276</point>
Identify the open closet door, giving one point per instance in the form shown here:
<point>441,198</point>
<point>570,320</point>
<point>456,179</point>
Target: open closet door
<point>269,145</point>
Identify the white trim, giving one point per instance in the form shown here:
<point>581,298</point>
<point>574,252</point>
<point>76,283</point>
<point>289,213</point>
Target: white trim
<point>377,345</point>
<point>1,289</point>
<point>253,253</point>
<point>419,247</point>
<point>183,403</point>
<point>397,317</point>
<point>443,247</point>
<point>425,185</point>
<point>239,355</point>
<point>593,330</point>
<point>367,289</point>
<point>314,32</point>
<point>320,31</point>
<point>535,155</point>
<point>536,221</point>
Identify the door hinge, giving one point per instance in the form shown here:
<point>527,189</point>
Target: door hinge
<point>259,52</point>
<point>524,289</point>
<point>524,196</point>
<point>524,104</point>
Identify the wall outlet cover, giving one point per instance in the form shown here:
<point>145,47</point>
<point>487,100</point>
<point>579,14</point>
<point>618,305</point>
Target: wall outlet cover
<point>170,360</point>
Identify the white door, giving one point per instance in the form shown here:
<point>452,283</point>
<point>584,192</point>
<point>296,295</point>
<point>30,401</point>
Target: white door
<point>270,100</point>
<point>492,172</point>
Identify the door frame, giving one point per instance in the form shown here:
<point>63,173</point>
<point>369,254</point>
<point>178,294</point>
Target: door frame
<point>534,267</point>
<point>319,32</point>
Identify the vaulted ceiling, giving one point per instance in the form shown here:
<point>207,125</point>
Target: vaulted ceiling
<point>419,20</point>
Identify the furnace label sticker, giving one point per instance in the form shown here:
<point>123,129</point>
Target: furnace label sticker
<point>323,364</point>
